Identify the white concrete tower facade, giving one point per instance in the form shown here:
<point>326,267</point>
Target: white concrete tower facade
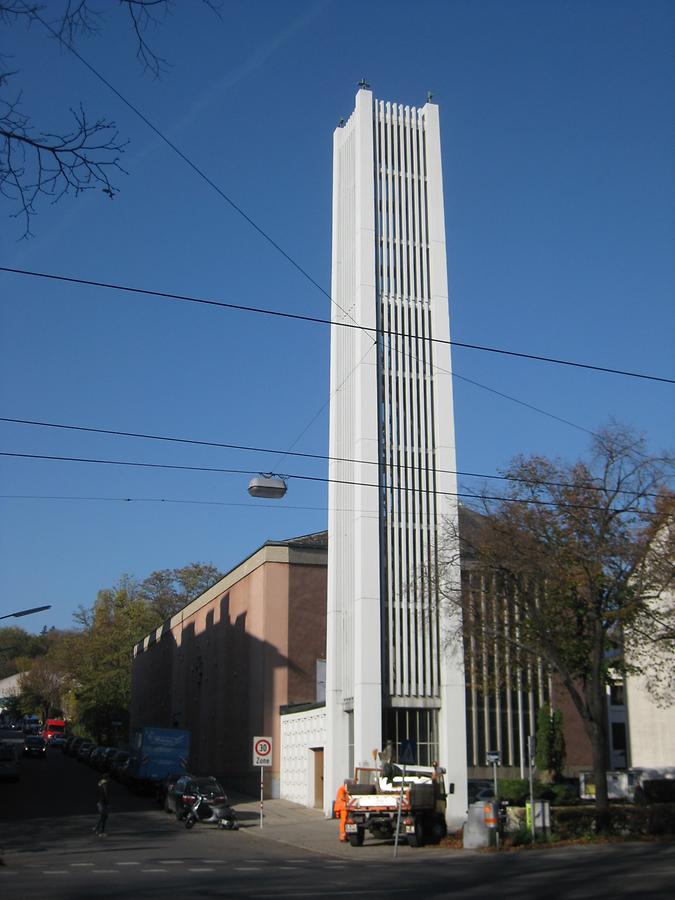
<point>391,672</point>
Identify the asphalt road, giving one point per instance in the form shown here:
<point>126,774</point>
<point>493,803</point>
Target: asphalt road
<point>49,851</point>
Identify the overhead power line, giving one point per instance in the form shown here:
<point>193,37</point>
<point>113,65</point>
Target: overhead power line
<point>258,310</point>
<point>287,256</point>
<point>297,453</point>
<point>313,478</point>
<point>186,159</point>
<point>252,504</point>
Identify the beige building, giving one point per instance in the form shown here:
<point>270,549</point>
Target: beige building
<point>224,665</point>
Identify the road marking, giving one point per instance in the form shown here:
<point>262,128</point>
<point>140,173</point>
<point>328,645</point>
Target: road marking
<point>54,872</point>
<point>247,868</point>
<point>105,872</point>
<point>347,893</point>
<point>201,870</point>
<point>171,862</point>
<point>153,870</point>
<point>127,864</point>
<point>81,864</point>
<point>218,861</point>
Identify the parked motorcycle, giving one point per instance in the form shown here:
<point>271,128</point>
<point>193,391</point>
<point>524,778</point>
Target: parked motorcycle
<point>212,811</point>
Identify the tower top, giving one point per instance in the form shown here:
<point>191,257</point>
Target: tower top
<point>363,85</point>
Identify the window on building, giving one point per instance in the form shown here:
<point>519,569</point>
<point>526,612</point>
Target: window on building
<point>419,725</point>
<point>617,695</point>
<point>321,681</point>
<point>618,736</point>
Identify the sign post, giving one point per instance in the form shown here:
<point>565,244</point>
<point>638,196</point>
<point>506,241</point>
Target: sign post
<point>531,750</point>
<point>407,756</point>
<point>262,757</point>
<point>493,758</point>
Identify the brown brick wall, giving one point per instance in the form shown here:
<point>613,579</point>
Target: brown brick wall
<point>224,671</point>
<point>578,745</point>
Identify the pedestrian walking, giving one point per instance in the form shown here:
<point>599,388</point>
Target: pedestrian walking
<point>102,803</point>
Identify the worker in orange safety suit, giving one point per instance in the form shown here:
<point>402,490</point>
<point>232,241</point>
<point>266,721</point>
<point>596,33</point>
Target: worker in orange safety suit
<point>340,810</point>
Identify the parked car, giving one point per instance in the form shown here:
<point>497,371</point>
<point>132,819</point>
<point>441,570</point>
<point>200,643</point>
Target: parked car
<point>104,759</point>
<point>117,762</point>
<point>9,761</point>
<point>95,756</point>
<point>187,788</point>
<point>84,750</point>
<point>75,745</point>
<point>58,740</point>
<point>167,785</point>
<point>123,773</point>
<point>34,745</point>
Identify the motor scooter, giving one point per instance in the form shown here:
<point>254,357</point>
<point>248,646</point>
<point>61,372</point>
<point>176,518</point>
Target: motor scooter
<point>212,811</point>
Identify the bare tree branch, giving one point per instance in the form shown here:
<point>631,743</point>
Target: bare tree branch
<point>37,164</point>
<point>52,165</point>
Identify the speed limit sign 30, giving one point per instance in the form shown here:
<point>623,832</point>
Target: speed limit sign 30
<point>262,751</point>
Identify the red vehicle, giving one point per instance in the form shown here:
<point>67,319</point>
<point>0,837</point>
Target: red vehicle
<point>53,728</point>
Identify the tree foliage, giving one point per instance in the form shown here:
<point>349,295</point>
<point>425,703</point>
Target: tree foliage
<point>98,656</point>
<point>572,558</point>
<point>550,741</point>
<point>43,687</point>
<point>169,590</point>
<point>18,645</point>
<point>86,671</point>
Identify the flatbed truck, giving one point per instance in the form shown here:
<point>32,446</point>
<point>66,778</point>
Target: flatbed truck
<point>374,796</point>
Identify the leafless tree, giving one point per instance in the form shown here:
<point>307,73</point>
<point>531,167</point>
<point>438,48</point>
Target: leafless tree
<point>36,164</point>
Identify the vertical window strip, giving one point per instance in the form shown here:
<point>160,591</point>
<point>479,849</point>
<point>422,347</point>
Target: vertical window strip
<point>485,687</point>
<point>415,213</point>
<point>497,673</point>
<point>414,347</point>
<point>424,204</point>
<point>405,473</point>
<point>433,611</point>
<point>397,596</point>
<point>383,406</point>
<point>419,514</point>
<point>435,524</point>
<point>474,673</point>
<point>508,674</point>
<point>414,497</point>
<point>408,194</point>
<point>396,504</point>
<point>400,181</point>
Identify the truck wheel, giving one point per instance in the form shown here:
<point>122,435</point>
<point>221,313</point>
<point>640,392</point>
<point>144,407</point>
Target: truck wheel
<point>356,840</point>
<point>438,829</point>
<point>417,839</point>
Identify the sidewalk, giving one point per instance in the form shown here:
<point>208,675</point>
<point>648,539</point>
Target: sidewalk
<point>298,826</point>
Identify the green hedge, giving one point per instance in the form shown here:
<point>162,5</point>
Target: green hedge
<point>625,820</point>
<point>517,792</point>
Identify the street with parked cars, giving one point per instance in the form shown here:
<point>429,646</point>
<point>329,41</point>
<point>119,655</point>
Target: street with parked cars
<point>48,848</point>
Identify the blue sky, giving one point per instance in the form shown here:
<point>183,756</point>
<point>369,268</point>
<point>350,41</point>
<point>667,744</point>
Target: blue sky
<point>558,131</point>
